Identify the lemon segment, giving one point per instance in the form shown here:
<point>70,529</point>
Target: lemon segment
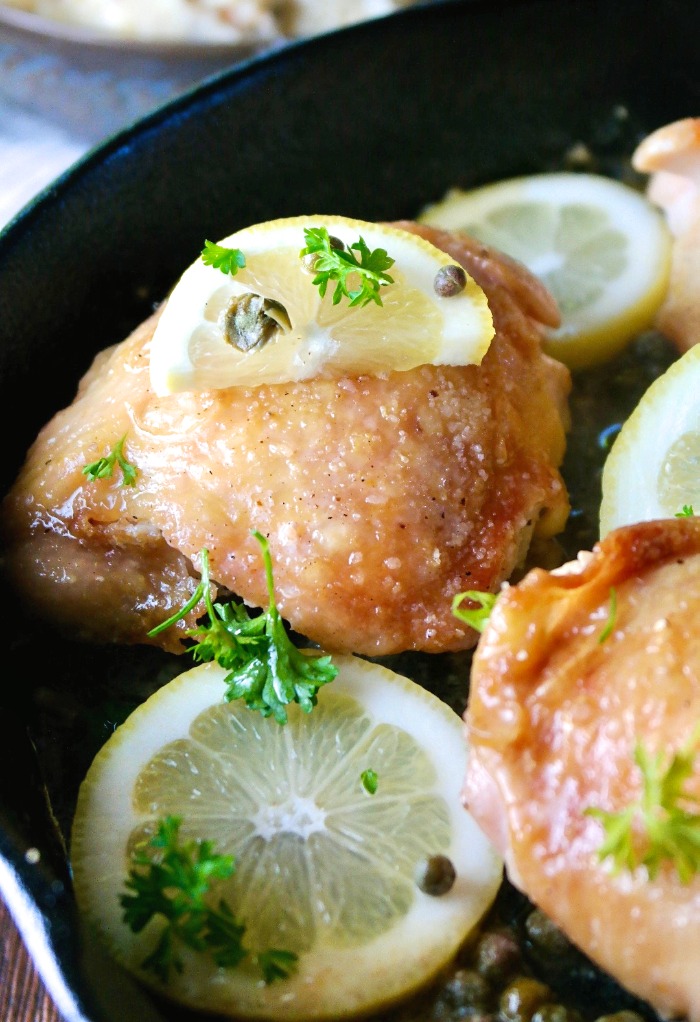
<point>323,868</point>
<point>600,247</point>
<point>653,468</point>
<point>413,326</point>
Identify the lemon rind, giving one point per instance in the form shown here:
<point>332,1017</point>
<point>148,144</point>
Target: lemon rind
<point>388,968</point>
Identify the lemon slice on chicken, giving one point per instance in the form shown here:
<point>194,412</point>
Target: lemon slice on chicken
<point>653,468</point>
<point>599,246</point>
<point>268,323</point>
<point>324,869</point>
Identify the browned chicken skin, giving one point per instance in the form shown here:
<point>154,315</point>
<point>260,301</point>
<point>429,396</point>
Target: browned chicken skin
<point>553,719</point>
<point>382,497</point>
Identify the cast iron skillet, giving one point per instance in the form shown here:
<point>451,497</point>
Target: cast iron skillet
<point>372,122</point>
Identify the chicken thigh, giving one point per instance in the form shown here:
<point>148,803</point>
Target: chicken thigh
<point>576,671</point>
<point>381,496</point>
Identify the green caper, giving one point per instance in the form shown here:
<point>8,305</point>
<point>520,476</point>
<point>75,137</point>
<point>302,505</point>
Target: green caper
<point>251,321</point>
<point>521,998</point>
<point>435,875</point>
<point>450,281</point>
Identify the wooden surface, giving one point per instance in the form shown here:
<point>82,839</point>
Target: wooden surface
<point>23,997</point>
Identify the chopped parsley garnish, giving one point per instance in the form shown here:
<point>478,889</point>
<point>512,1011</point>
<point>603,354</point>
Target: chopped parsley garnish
<point>276,964</point>
<point>686,511</point>
<point>660,826</point>
<point>171,879</point>
<point>104,467</point>
<point>367,273</point>
<point>265,668</point>
<point>476,617</point>
<point>370,780</point>
<point>612,615</point>
<point>228,260</point>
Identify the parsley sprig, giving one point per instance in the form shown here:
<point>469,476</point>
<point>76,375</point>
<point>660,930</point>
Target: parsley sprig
<point>228,260</point>
<point>476,617</point>
<point>609,626</point>
<point>170,879</point>
<point>661,825</point>
<point>104,467</point>
<point>265,668</point>
<point>344,267</point>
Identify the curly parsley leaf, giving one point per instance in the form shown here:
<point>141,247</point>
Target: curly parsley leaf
<point>275,964</point>
<point>170,879</point>
<point>104,467</point>
<point>266,669</point>
<point>661,825</point>
<point>685,512</point>
<point>228,260</point>
<point>342,265</point>
<point>476,617</point>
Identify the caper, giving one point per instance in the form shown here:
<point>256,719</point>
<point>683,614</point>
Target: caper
<point>546,934</point>
<point>466,989</point>
<point>521,998</point>
<point>498,955</point>
<point>556,1013</point>
<point>309,261</point>
<point>435,875</point>
<point>449,281</point>
<point>251,321</point>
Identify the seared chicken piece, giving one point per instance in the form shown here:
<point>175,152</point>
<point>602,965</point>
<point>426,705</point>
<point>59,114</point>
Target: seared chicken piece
<point>382,497</point>
<point>564,685</point>
<point>671,155</point>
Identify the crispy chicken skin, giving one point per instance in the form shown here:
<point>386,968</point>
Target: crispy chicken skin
<point>553,718</point>
<point>382,497</point>
<point>671,156</point>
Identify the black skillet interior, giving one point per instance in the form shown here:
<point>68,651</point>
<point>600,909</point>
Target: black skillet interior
<point>373,122</point>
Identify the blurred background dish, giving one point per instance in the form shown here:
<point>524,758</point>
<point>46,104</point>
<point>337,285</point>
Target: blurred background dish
<point>94,29</point>
<point>63,90</point>
<point>69,80</point>
<point>190,23</point>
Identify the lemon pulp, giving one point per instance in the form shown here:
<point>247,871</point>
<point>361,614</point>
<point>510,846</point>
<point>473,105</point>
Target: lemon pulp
<point>600,247</point>
<point>323,868</point>
<point>653,468</point>
<point>679,475</point>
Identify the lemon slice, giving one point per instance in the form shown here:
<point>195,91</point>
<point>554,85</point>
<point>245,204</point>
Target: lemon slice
<point>323,868</point>
<point>414,325</point>
<point>600,247</point>
<point>653,468</point>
